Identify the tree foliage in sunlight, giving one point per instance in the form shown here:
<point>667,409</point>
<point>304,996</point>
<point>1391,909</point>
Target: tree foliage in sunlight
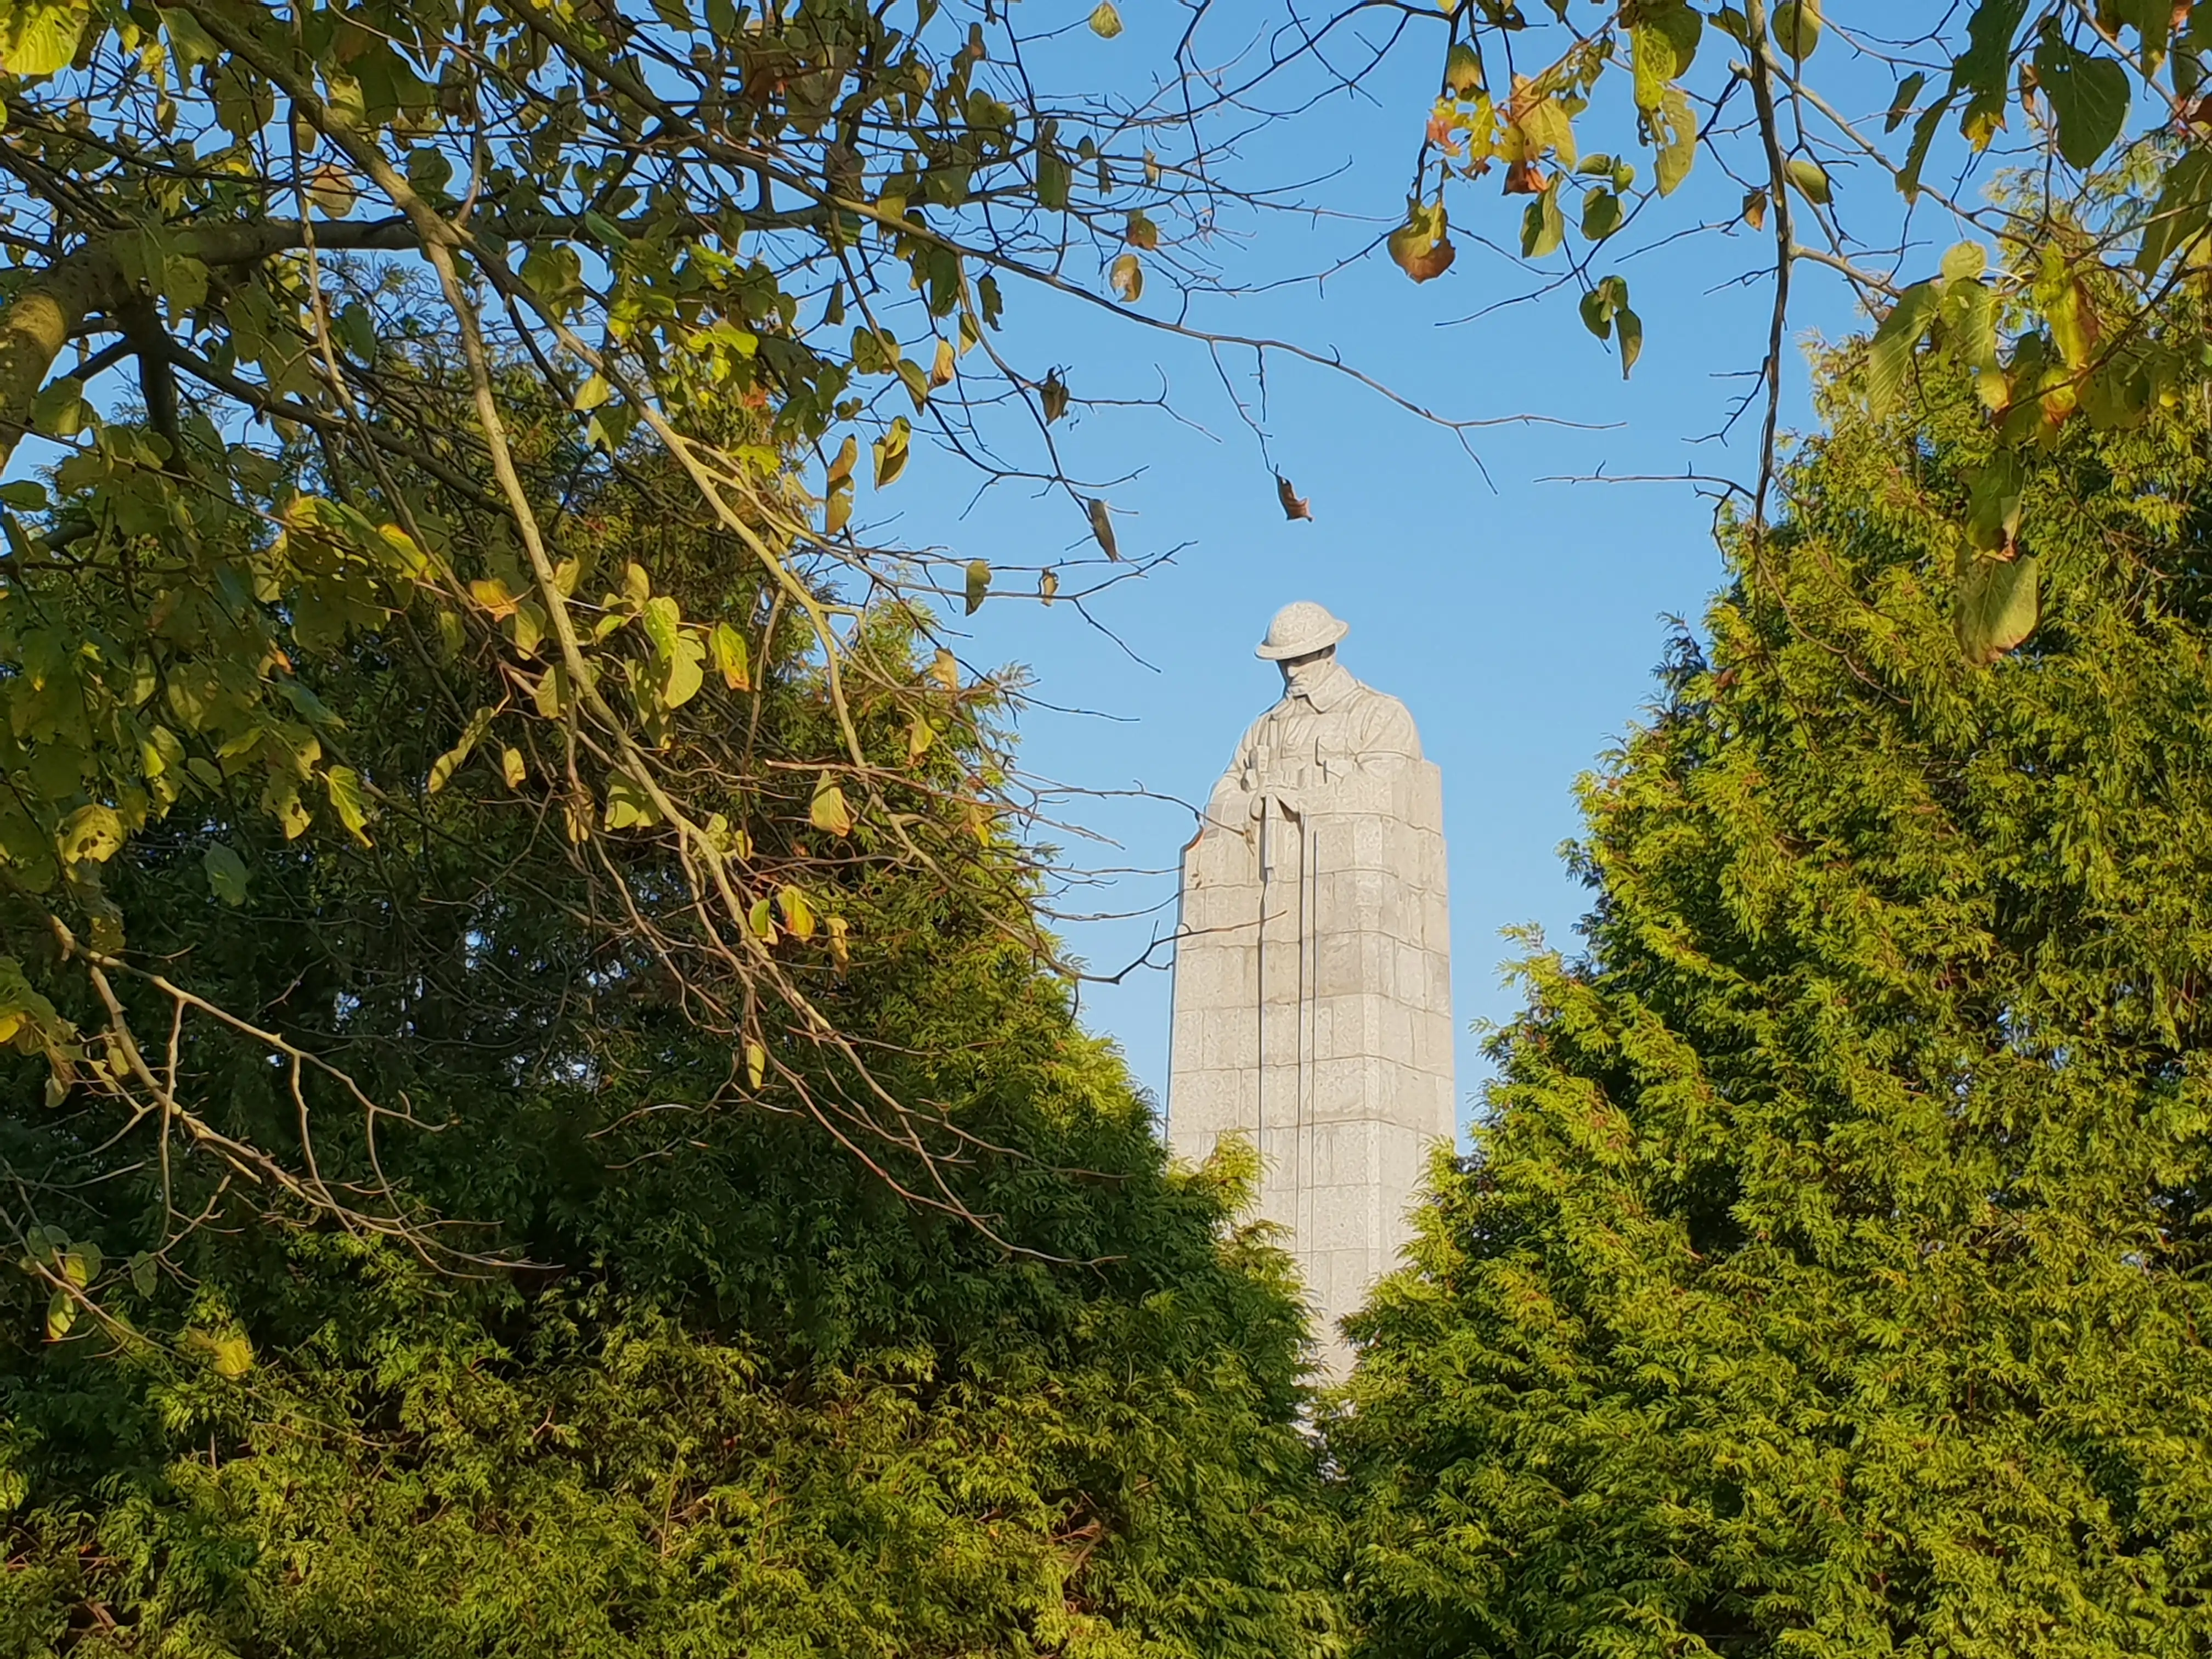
<point>1830,1276</point>
<point>403,285</point>
<point>600,1335</point>
<point>2101,111</point>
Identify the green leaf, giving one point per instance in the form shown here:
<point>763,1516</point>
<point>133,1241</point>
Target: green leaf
<point>2000,602</point>
<point>1901,104</point>
<point>1965,262</point>
<point>1889,356</point>
<point>1630,327</point>
<point>1463,75</point>
<point>1601,214</point>
<point>59,410</point>
<point>1052,186</point>
<point>344,785</point>
<point>978,584</point>
<point>225,873</point>
<point>61,1315</point>
<point>663,622</point>
<point>81,1264</point>
<point>1796,26</point>
<point>890,453</point>
<point>356,332</point>
<point>191,45</point>
<point>2088,99</point>
<point>1995,499</point>
<point>686,672</point>
<point>1543,227</point>
<point>628,806</point>
<point>1916,152</point>
<point>145,1273</point>
<point>1983,71</point>
<point>2178,216</point>
<point>1662,41</point>
<point>1808,179</point>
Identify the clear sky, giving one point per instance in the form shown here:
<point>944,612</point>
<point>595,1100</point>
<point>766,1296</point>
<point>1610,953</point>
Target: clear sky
<point>1518,615</point>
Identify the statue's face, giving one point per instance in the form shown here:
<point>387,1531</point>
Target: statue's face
<point>1304,670</point>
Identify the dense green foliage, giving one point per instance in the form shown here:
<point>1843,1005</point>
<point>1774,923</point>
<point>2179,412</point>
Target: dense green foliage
<point>619,1346</point>
<point>1830,1277</point>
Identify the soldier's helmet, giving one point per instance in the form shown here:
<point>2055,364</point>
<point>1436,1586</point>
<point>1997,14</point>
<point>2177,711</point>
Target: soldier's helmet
<point>1300,629</point>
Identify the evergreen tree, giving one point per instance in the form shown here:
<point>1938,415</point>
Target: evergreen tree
<point>1829,1275</point>
<point>637,1343</point>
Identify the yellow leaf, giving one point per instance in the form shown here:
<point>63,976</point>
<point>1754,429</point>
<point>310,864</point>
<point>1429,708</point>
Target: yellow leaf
<point>329,189</point>
<point>1127,276</point>
<point>443,768</point>
<point>890,452</point>
<point>840,951</point>
<point>344,785</point>
<point>730,656</point>
<point>755,1064</point>
<point>493,594</point>
<point>512,768</point>
<point>37,37</point>
<point>829,811</point>
<point>978,585</point>
<point>232,1356</point>
<point>1105,21</point>
<point>91,833</point>
<point>798,915</point>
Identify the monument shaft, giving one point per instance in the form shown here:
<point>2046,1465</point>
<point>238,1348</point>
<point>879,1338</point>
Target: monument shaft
<point>1313,982</point>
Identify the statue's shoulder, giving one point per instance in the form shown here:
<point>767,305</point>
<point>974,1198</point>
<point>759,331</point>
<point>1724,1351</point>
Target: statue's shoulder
<point>1379,703</point>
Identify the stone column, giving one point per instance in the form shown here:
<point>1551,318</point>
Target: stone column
<point>1313,1017</point>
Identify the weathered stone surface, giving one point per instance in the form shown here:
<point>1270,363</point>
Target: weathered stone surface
<point>1313,969</point>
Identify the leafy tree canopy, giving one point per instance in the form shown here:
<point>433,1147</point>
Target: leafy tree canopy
<point>1830,1278</point>
<point>591,1334</point>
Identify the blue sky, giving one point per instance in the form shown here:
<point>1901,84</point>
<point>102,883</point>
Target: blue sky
<point>1519,614</point>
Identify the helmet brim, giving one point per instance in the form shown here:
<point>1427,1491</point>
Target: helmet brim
<point>1269,651</point>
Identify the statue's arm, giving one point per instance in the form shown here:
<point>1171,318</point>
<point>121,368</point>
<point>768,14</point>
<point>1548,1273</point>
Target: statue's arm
<point>1230,807</point>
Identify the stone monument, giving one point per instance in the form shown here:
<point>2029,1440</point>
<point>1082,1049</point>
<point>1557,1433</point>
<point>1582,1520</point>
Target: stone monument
<point>1313,969</point>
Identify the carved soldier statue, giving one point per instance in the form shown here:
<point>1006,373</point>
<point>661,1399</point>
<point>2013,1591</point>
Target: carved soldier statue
<point>1313,969</point>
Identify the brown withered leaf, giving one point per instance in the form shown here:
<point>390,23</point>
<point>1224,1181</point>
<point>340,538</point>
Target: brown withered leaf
<point>1524,177</point>
<point>1295,505</point>
<point>1101,526</point>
